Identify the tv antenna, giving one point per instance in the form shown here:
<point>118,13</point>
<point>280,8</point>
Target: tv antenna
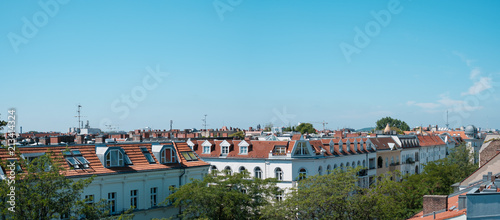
<point>447,124</point>
<point>80,122</point>
<point>204,122</point>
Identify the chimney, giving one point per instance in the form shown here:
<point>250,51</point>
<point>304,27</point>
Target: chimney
<point>435,203</point>
<point>489,176</point>
<point>462,202</point>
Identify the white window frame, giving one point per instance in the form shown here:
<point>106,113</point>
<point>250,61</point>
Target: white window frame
<point>278,174</point>
<point>206,149</point>
<point>119,158</point>
<point>243,149</point>
<point>258,172</point>
<point>163,157</point>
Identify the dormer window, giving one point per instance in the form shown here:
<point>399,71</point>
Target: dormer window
<point>243,149</point>
<point>165,153</point>
<point>224,148</point>
<point>279,151</point>
<point>114,158</point>
<point>206,147</point>
<point>302,149</point>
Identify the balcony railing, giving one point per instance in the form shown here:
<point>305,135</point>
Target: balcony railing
<point>363,172</point>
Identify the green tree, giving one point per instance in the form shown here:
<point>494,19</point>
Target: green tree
<point>43,192</point>
<point>224,197</point>
<point>239,134</point>
<point>305,128</point>
<point>382,123</point>
<point>319,197</point>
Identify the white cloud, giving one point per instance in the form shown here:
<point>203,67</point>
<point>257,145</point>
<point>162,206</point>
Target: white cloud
<point>474,73</point>
<point>484,83</point>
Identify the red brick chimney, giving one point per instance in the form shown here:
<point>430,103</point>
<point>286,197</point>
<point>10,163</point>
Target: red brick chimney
<point>435,203</point>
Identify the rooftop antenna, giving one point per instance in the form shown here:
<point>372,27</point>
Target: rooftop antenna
<point>205,122</point>
<point>447,124</point>
<point>80,123</point>
<point>171,123</point>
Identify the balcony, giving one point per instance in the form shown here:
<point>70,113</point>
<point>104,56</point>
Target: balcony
<point>363,172</point>
<point>410,161</point>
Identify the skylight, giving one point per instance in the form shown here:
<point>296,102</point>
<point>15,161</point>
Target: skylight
<point>75,159</point>
<point>147,155</point>
<point>189,156</point>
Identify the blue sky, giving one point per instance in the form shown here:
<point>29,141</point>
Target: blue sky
<point>133,64</point>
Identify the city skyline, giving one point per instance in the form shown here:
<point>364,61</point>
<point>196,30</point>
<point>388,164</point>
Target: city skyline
<point>141,64</point>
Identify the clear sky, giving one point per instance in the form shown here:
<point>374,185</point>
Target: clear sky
<point>133,64</point>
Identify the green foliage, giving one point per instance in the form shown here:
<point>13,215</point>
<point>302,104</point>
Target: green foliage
<point>437,177</point>
<point>224,197</point>
<point>238,134</point>
<point>306,128</point>
<point>382,123</point>
<point>43,192</point>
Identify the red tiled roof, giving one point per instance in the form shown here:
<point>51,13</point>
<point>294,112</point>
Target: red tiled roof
<point>430,140</point>
<point>382,143</point>
<point>133,151</point>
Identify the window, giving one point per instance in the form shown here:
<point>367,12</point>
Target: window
<point>225,150</point>
<point>189,156</point>
<point>206,149</point>
<point>397,159</point>
<point>302,174</point>
<point>320,170</point>
<point>258,172</point>
<point>359,163</point>
<point>342,166</point>
<point>114,158</point>
<point>243,149</point>
<point>214,170</point>
<point>148,156</point>
<point>133,198</point>
<point>353,164</point>
<point>171,190</point>
<point>347,164</point>
<point>279,151</point>
<point>328,169</point>
<point>89,199</point>
<point>335,166</point>
<point>386,162</point>
<point>380,162</point>
<point>278,174</point>
<point>279,196</point>
<point>302,149</point>
<point>167,155</point>
<point>364,163</point>
<point>392,160</point>
<point>75,159</point>
<point>228,170</point>
<point>112,202</point>
<point>154,196</point>
<point>241,169</point>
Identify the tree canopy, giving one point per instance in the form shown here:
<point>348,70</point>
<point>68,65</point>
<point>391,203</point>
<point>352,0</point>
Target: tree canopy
<point>227,196</point>
<point>305,128</point>
<point>382,123</point>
